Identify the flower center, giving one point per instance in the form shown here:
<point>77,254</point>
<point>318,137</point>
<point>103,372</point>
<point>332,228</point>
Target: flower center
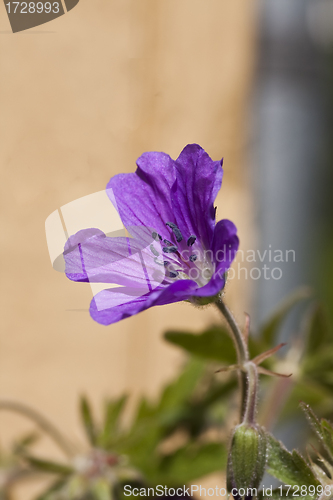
<point>182,260</point>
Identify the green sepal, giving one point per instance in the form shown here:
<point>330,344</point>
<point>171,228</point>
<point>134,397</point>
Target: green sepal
<point>247,457</point>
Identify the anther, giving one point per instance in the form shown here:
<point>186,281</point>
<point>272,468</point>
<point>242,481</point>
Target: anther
<point>171,249</point>
<point>159,262</point>
<point>191,240</point>
<point>156,236</point>
<point>193,258</point>
<point>167,242</point>
<point>173,274</point>
<point>154,251</point>
<point>176,231</point>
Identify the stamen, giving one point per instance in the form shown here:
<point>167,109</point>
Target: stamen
<point>166,263</point>
<point>173,274</point>
<point>171,249</point>
<point>191,240</point>
<point>154,251</point>
<point>193,258</point>
<point>176,231</point>
<point>155,235</point>
<point>167,242</point>
<point>159,262</point>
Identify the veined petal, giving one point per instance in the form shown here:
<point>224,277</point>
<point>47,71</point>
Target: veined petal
<point>198,181</point>
<point>92,256</point>
<point>112,305</point>
<point>143,198</point>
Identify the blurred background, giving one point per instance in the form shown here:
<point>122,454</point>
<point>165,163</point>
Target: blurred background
<point>82,97</point>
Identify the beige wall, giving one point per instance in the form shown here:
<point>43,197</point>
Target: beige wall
<point>81,99</point>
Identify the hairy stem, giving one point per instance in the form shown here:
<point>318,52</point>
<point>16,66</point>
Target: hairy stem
<point>41,422</point>
<point>248,379</point>
<point>240,345</point>
<point>252,392</point>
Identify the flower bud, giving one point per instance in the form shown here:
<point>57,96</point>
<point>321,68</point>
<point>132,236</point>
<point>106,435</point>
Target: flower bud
<point>247,460</point>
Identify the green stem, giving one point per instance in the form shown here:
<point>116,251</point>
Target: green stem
<point>252,392</point>
<point>42,422</point>
<point>247,378</point>
<point>240,345</point>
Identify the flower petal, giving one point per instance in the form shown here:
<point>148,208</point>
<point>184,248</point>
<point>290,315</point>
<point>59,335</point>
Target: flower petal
<point>92,256</point>
<point>112,305</point>
<point>198,181</point>
<point>143,198</point>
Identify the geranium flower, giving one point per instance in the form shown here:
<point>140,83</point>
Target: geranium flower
<point>175,251</point>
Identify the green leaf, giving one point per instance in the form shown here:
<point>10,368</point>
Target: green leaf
<point>48,466</point>
<point>88,420</point>
<point>291,468</point>
<point>24,443</point>
<point>113,411</point>
<point>192,462</point>
<point>101,490</point>
<point>318,332</point>
<point>322,427</point>
<point>314,393</point>
<point>270,329</point>
<point>54,488</point>
<point>180,390</point>
<point>213,344</point>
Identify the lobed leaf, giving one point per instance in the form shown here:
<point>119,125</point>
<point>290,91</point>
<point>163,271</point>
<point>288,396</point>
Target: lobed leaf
<point>289,467</point>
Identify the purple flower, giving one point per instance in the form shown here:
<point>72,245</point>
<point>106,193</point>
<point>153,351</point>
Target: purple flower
<point>176,250</point>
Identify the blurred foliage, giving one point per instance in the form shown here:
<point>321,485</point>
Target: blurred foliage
<point>149,450</point>
<point>13,469</point>
<point>309,357</point>
<point>183,434</point>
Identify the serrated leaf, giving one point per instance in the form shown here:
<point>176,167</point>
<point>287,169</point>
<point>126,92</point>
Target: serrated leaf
<point>49,466</point>
<point>291,468</point>
<point>323,428</point>
<point>88,421</point>
<point>214,344</point>
<point>271,327</point>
